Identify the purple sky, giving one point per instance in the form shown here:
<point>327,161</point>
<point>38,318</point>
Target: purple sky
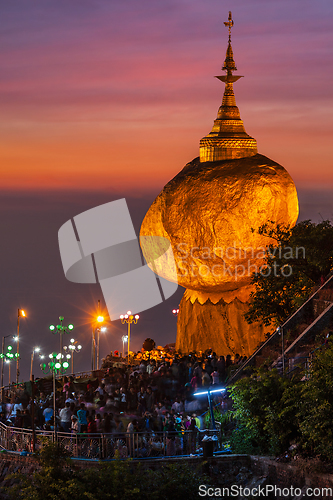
<point>125,90</point>
<point>105,99</point>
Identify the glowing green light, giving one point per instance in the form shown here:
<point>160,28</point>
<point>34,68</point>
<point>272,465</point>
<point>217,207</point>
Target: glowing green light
<point>57,366</point>
<point>51,364</point>
<point>43,366</point>
<point>10,348</point>
<point>70,327</point>
<point>65,365</point>
<point>16,355</point>
<point>52,327</point>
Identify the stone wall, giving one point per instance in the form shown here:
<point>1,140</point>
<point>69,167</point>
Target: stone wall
<point>287,474</point>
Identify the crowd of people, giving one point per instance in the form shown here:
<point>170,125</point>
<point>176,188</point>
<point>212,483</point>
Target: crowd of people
<point>151,396</point>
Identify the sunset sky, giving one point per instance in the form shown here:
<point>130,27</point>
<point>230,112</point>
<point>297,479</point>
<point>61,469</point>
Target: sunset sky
<point>103,99</point>
<point>99,93</point>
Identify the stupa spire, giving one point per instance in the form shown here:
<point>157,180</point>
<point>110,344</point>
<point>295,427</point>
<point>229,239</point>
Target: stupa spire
<point>228,139</point>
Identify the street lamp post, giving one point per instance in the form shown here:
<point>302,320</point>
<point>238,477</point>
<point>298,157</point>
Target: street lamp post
<point>129,318</point>
<point>55,365</point>
<point>93,347</point>
<point>100,329</point>
<point>96,330</point>
<point>8,356</point>
<point>8,361</point>
<point>61,329</point>
<point>20,314</point>
<point>3,357</point>
<point>35,349</point>
<point>72,348</point>
<point>124,338</point>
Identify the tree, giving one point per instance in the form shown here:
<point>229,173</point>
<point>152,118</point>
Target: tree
<point>316,412</point>
<point>149,344</point>
<point>264,412</point>
<point>293,266</point>
<point>60,478</point>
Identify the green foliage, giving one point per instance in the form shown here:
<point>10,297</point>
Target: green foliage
<point>273,412</point>
<point>53,480</point>
<point>219,417</point>
<point>55,458</point>
<point>59,480</point>
<point>316,412</point>
<point>241,441</point>
<point>263,412</point>
<point>293,266</point>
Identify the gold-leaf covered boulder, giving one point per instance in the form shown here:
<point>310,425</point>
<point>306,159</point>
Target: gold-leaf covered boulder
<point>211,212</point>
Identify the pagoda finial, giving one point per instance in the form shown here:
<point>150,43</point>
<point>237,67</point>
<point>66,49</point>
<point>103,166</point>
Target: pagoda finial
<point>229,63</point>
<point>229,24</point>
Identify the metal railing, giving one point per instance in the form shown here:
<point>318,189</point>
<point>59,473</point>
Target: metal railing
<point>109,446</point>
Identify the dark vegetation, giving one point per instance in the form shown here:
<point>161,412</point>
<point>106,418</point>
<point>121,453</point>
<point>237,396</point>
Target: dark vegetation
<point>291,272</point>
<point>275,415</point>
<point>59,478</point>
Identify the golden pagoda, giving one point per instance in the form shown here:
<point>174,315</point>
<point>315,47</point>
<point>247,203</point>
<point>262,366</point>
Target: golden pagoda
<point>211,212</point>
<point>228,139</point>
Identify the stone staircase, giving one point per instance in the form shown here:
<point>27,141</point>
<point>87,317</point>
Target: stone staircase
<point>314,315</point>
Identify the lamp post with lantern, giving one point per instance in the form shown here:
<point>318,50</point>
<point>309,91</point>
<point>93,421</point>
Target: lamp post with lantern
<point>35,349</point>
<point>97,328</point>
<point>7,357</point>
<point>100,329</point>
<point>8,362</point>
<point>20,314</point>
<point>72,347</point>
<point>124,339</point>
<point>130,319</point>
<point>55,365</point>
<point>61,329</point>
<point>3,356</point>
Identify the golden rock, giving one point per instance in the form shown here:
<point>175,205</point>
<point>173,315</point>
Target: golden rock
<point>211,212</point>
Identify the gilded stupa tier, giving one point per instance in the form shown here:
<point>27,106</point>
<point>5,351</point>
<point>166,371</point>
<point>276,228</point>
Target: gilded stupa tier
<point>228,139</point>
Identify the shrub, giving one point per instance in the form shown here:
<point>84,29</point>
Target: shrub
<point>58,479</point>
